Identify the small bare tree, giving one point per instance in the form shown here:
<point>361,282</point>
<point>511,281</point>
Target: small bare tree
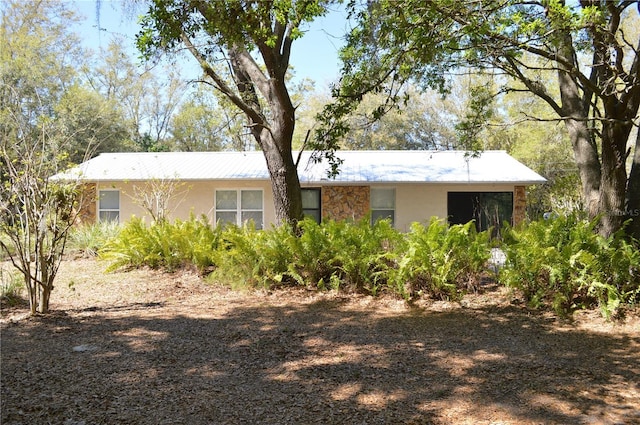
<point>46,116</point>
<point>36,213</point>
<point>155,195</point>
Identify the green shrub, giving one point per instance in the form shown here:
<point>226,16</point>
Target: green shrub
<point>334,254</point>
<point>363,253</point>
<point>88,239</point>
<point>564,264</point>
<point>254,258</point>
<point>313,257</point>
<point>163,244</point>
<point>342,254</point>
<point>442,261</point>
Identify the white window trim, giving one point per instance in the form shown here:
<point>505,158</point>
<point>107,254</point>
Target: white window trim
<point>100,210</point>
<point>238,210</point>
<point>385,209</point>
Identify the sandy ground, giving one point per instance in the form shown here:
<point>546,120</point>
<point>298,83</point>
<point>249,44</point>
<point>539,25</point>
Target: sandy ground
<point>144,347</point>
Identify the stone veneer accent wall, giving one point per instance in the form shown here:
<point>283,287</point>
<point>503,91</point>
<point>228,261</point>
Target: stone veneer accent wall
<point>87,213</point>
<point>345,202</point>
<point>519,204</point>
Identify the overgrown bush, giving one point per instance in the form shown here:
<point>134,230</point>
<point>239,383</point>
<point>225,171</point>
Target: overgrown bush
<point>164,244</point>
<point>442,261</point>
<point>253,258</point>
<point>334,254</point>
<point>353,255</point>
<point>563,263</point>
<point>437,260</point>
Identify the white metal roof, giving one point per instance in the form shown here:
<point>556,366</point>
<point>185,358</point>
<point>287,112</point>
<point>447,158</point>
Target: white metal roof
<point>358,167</point>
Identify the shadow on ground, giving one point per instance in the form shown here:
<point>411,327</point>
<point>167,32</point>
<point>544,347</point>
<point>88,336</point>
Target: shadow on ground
<point>318,363</point>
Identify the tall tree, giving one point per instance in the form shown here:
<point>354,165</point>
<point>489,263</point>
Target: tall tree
<point>237,33</point>
<point>38,125</point>
<point>148,97</point>
<point>206,122</point>
<point>587,45</point>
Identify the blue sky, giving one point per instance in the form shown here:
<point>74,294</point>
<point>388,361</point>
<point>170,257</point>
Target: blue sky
<point>314,56</point>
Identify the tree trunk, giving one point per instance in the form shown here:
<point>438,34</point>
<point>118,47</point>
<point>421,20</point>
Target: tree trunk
<point>613,183</point>
<point>287,196</point>
<point>43,302</point>
<point>632,208</point>
<point>273,131</point>
<point>576,116</point>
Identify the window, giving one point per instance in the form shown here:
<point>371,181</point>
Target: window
<point>488,209</point>
<point>109,205</point>
<point>311,204</point>
<point>238,207</point>
<point>383,204</point>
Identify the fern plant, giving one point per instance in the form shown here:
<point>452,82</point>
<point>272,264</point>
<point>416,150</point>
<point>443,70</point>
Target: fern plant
<point>564,264</point>
<point>442,261</point>
<point>163,244</point>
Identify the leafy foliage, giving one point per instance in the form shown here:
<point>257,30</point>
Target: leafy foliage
<point>441,260</point>
<point>524,44</point>
<point>253,258</point>
<point>564,264</point>
<point>163,245</point>
<point>560,263</point>
<point>11,285</point>
<point>340,255</point>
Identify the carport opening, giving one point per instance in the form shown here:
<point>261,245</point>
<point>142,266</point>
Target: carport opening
<point>488,209</point>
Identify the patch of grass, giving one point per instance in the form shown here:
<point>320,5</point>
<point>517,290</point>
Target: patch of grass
<point>89,239</point>
<point>11,286</point>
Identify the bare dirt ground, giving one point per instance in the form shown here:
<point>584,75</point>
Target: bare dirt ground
<point>149,348</point>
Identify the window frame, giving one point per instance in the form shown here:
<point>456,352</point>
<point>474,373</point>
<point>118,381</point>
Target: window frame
<point>373,208</point>
<point>238,210</point>
<point>317,190</point>
<point>100,210</point>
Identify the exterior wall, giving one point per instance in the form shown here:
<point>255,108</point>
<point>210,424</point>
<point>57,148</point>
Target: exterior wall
<point>345,202</point>
<point>415,202</point>
<point>420,202</point>
<point>87,212</point>
<point>189,197</point>
<point>519,204</point>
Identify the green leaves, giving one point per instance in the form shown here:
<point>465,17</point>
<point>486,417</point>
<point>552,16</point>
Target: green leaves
<point>355,257</point>
<point>442,261</point>
<point>563,263</point>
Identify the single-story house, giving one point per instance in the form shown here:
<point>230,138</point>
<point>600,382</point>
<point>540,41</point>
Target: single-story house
<point>405,186</point>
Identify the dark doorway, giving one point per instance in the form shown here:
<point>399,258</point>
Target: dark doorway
<point>488,209</point>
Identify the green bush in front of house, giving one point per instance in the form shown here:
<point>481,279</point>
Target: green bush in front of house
<point>163,244</point>
<point>442,261</point>
<point>563,263</point>
<point>335,254</point>
<point>349,256</point>
<point>88,239</point>
<point>247,257</point>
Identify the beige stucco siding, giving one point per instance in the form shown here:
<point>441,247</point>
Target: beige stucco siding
<point>415,202</point>
<point>420,202</point>
<point>195,197</point>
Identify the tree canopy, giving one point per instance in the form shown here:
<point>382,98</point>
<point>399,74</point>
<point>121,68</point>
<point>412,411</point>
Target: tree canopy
<point>243,48</point>
<point>588,47</point>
